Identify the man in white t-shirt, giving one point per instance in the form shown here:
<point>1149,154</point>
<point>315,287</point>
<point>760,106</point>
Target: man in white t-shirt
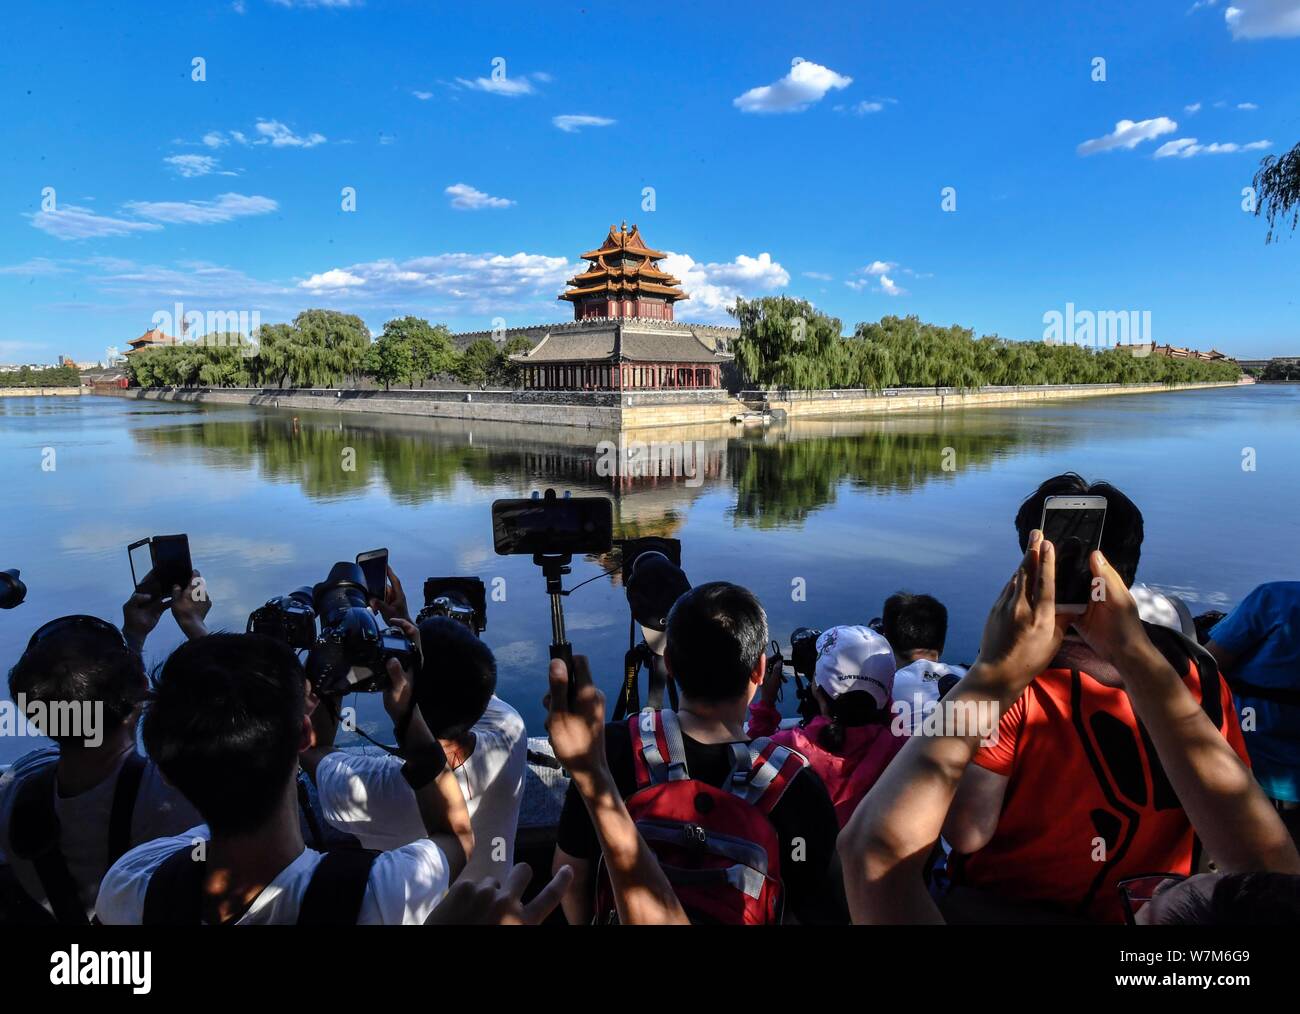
<point>483,737</point>
<point>68,810</point>
<point>916,627</point>
<point>227,720</point>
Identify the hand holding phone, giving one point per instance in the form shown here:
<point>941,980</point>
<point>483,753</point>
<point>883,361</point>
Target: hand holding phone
<point>374,565</point>
<point>168,567</point>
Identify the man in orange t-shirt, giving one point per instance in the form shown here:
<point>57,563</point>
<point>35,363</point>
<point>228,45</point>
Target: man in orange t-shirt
<point>1070,798</point>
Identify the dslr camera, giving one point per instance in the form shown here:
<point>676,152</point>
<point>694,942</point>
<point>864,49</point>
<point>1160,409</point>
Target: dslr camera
<point>289,618</point>
<point>351,652</point>
<point>463,599</point>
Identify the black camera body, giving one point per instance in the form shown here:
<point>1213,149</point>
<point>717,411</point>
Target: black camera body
<point>12,590</point>
<point>463,599</point>
<point>351,653</point>
<point>630,549</point>
<point>803,650</point>
<point>289,618</point>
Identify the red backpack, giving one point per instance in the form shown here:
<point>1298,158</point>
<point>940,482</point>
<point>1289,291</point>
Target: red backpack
<point>717,846</point>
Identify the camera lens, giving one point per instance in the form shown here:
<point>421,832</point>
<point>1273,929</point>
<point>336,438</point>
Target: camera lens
<point>344,589</point>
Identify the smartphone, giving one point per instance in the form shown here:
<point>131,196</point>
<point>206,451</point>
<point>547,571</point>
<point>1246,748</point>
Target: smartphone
<point>160,563</point>
<point>374,565</point>
<point>1073,524</point>
<point>553,525</point>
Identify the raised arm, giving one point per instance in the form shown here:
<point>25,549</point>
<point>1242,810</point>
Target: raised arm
<point>1239,827</point>
<point>642,893</point>
<point>884,846</point>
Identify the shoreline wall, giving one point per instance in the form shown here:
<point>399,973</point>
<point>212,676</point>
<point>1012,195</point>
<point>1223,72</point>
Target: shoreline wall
<point>608,410</point>
<point>40,392</point>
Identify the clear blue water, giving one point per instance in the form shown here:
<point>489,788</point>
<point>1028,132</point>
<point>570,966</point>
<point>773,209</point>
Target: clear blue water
<point>857,509</point>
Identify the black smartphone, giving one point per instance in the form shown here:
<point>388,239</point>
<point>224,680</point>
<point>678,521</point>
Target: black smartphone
<point>374,565</point>
<point>553,525</point>
<point>160,563</point>
<point>1073,525</point>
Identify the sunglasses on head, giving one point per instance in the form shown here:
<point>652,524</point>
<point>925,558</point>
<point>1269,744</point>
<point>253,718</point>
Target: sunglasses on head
<point>76,624</point>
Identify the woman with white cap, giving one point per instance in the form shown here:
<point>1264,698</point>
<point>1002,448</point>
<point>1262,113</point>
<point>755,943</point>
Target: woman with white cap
<point>850,743</point>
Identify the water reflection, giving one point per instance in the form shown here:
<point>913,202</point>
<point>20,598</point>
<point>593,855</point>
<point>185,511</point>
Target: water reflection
<point>777,477</point>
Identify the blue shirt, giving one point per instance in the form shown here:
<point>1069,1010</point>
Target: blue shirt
<point>1263,632</point>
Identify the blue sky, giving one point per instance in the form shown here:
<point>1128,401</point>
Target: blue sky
<point>475,193</point>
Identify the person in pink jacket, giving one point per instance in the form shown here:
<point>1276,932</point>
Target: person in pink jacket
<point>850,743</point>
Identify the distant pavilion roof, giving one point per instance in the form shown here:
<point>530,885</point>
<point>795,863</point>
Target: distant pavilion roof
<point>623,266</point>
<point>648,342</point>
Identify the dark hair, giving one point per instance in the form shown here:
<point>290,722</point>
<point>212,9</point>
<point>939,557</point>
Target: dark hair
<point>913,622</point>
<point>853,709</point>
<point>1121,536</point>
<point>717,633</point>
<point>457,678</point>
<point>223,723</point>
<point>81,666</point>
<point>1205,623</point>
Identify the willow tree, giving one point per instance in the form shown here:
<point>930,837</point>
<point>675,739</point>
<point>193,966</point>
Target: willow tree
<point>1277,190</point>
<point>783,340</point>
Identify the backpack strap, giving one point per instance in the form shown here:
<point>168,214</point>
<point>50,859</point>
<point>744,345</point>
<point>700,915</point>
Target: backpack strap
<point>34,835</point>
<point>174,894</point>
<point>124,797</point>
<point>337,888</point>
<point>761,777</point>
<point>658,751</point>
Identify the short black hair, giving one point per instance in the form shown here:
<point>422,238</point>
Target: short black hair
<point>1121,536</point>
<point>1239,899</point>
<point>81,666</point>
<point>914,622</point>
<point>717,633</point>
<point>223,722</point>
<point>457,678</point>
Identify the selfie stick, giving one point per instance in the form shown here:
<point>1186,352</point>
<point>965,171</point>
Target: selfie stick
<point>554,567</point>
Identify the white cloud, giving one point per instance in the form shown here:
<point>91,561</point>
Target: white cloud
<point>225,208</point>
<point>820,276</point>
<point>511,87</point>
<point>190,166</point>
<point>423,96</point>
<point>862,108</point>
<point>1188,147</point>
<point>72,222</point>
<point>1263,19</point>
<point>318,3</point>
<point>214,139</point>
<point>571,123</point>
<point>280,136</point>
<point>467,198</point>
<point>184,280</point>
<point>882,270</point>
<point>714,287</point>
<point>475,283</point>
<point>879,267</point>
<point>1194,108</point>
<point>335,278</point>
<point>1129,134</point>
<point>806,83</point>
<point>34,268</point>
<point>1247,106</point>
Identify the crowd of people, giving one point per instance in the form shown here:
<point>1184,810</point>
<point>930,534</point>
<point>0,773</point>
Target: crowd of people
<point>1105,766</point>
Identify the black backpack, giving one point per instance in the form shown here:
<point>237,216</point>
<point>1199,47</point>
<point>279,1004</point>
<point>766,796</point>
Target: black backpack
<point>34,836</point>
<point>174,896</point>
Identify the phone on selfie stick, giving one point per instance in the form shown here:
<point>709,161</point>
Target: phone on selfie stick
<point>551,529</point>
<point>1073,525</point>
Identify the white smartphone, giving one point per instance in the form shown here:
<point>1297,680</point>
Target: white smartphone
<point>1073,525</point>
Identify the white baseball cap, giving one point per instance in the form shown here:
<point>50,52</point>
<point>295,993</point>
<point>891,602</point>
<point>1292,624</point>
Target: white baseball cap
<point>855,658</point>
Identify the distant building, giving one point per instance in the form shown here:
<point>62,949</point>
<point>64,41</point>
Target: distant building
<point>152,338</point>
<point>1175,352</point>
<point>623,335</point>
